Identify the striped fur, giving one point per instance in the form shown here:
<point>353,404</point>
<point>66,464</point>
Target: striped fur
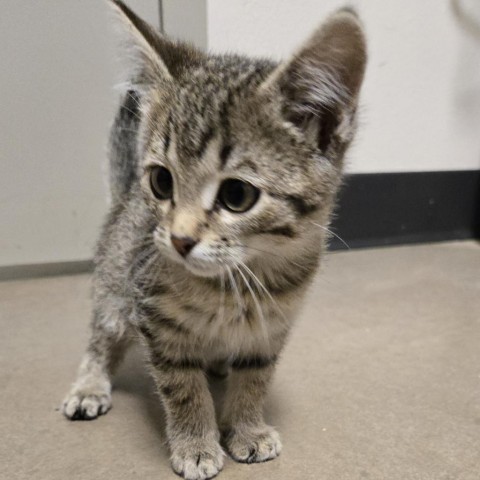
<point>228,306</point>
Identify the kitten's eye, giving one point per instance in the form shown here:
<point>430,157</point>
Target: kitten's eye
<point>161,183</point>
<point>237,196</point>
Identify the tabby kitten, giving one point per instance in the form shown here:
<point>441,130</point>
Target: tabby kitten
<point>223,175</point>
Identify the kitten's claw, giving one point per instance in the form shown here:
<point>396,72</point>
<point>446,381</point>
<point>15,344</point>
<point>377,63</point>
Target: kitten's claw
<point>82,406</point>
<point>253,445</point>
<point>198,463</point>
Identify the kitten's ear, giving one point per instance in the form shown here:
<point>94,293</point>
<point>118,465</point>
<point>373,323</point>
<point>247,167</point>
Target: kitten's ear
<point>319,86</point>
<point>151,57</point>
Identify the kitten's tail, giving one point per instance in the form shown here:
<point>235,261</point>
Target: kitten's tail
<point>123,148</point>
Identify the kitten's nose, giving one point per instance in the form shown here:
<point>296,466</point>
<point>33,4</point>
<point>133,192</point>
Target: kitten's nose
<point>183,245</point>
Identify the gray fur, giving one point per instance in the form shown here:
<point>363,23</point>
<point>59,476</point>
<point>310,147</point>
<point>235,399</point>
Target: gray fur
<point>123,151</point>
<point>228,306</point>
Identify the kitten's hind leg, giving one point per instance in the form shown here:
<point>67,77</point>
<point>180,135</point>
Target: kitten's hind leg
<point>90,395</point>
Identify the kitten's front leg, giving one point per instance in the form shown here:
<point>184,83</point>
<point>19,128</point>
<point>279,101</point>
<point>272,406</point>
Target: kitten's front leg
<point>191,425</point>
<point>247,437</point>
<point>90,395</point>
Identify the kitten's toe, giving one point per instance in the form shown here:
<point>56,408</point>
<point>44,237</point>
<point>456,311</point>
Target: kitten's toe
<point>78,406</point>
<point>198,461</point>
<point>253,445</point>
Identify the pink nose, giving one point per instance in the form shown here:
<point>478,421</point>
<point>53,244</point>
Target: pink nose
<point>183,245</point>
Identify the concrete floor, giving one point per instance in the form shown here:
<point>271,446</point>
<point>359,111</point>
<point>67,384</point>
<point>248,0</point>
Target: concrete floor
<point>380,380</point>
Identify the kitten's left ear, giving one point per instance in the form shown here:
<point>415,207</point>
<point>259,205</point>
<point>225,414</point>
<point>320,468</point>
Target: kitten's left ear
<point>319,86</point>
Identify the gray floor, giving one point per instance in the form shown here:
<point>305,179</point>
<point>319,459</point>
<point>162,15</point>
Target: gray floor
<point>380,380</point>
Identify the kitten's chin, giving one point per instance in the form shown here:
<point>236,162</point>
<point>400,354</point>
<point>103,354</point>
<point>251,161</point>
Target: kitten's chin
<point>199,268</point>
<point>207,271</point>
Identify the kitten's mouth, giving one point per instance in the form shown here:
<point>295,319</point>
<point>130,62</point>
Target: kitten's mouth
<point>202,269</point>
<point>199,267</point>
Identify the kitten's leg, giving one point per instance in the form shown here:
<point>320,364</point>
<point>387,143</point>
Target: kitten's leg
<point>191,425</point>
<point>246,436</point>
<point>90,395</point>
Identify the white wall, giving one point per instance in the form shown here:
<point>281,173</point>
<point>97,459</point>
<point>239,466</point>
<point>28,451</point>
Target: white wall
<point>57,101</point>
<point>421,100</point>
<point>186,20</point>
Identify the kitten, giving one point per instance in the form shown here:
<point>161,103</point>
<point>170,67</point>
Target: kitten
<point>223,175</point>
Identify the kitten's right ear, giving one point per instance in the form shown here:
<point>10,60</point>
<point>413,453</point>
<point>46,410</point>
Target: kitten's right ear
<point>151,57</point>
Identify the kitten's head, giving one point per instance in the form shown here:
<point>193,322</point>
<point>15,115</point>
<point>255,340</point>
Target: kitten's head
<point>241,158</point>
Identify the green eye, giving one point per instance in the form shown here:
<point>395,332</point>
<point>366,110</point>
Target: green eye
<point>237,196</point>
<point>161,183</point>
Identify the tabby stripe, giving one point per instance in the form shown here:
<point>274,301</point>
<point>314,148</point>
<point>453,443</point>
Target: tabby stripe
<point>157,289</point>
<point>176,397</point>
<point>297,203</point>
<point>204,141</point>
<point>253,362</point>
<point>192,309</point>
<point>130,106</point>
<point>247,164</point>
<point>182,401</point>
<point>96,349</point>
<point>161,361</point>
<point>224,155</point>
<point>167,391</point>
<point>166,141</point>
<point>148,290</point>
<point>224,116</point>
<point>285,282</point>
<point>160,320</point>
<point>246,314</point>
<point>146,332</point>
<point>170,323</point>
<point>285,230</point>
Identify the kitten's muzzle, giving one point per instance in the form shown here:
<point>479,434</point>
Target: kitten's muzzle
<point>183,245</point>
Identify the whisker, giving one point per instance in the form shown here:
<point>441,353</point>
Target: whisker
<point>221,306</point>
<point>148,242</point>
<point>143,112</point>
<point>141,257</point>
<point>260,284</point>
<point>235,290</point>
<point>135,114</point>
<point>139,117</point>
<point>149,256</point>
<point>258,307</point>
<point>331,233</point>
<point>275,255</point>
<point>125,129</point>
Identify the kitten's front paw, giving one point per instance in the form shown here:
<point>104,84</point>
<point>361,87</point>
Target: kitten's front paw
<point>197,460</point>
<point>86,404</point>
<point>248,444</point>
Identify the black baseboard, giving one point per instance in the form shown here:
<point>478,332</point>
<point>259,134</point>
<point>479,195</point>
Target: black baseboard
<point>414,207</point>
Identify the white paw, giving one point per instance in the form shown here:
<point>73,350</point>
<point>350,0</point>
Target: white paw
<point>199,461</point>
<point>86,403</point>
<point>253,445</point>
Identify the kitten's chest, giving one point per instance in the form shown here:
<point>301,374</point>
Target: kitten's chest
<point>235,318</point>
